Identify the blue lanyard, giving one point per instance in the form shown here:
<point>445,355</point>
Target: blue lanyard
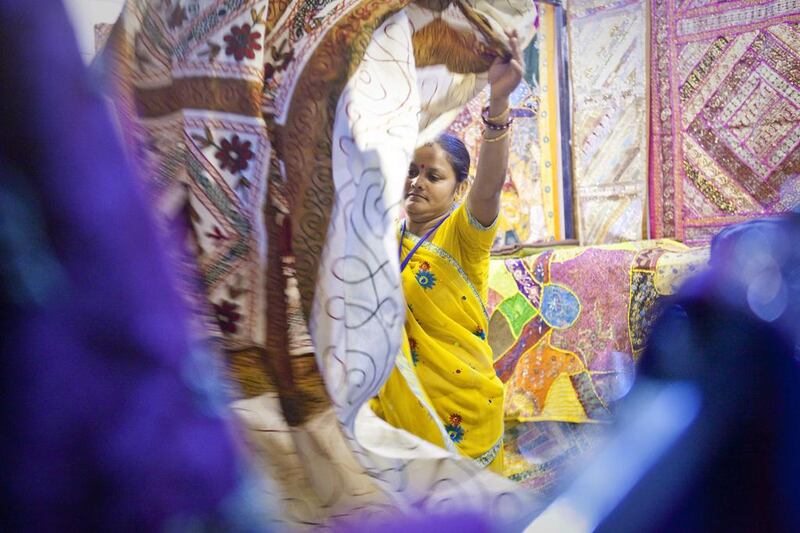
<point>404,262</point>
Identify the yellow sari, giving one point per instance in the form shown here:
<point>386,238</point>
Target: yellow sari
<point>444,387</point>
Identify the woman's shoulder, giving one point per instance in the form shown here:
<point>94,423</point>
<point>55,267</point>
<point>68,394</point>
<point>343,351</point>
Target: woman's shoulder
<point>465,236</point>
<point>471,228</point>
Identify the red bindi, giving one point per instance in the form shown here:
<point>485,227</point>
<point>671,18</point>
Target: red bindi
<point>422,166</point>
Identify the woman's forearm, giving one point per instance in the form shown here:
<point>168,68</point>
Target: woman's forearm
<point>484,196</point>
<point>504,76</point>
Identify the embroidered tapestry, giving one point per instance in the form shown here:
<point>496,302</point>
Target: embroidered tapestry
<point>607,69</point>
<point>568,324</point>
<point>725,114</point>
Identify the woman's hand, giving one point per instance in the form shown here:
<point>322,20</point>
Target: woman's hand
<point>505,75</point>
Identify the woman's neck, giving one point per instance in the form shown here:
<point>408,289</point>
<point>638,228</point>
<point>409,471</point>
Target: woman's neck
<point>420,227</point>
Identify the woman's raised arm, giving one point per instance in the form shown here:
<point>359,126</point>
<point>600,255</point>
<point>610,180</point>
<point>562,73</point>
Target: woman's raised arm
<point>483,200</point>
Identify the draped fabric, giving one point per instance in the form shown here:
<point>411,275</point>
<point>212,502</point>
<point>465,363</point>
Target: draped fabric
<point>541,456</point>
<point>279,134</point>
<point>725,139</point>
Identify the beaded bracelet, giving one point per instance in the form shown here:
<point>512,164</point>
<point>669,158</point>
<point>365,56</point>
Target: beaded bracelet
<point>497,127</point>
<point>491,122</point>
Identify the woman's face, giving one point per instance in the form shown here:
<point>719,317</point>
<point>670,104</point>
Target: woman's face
<point>431,184</point>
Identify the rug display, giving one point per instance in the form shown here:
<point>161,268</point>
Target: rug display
<point>568,325</point>
<point>607,69</point>
<point>725,114</point>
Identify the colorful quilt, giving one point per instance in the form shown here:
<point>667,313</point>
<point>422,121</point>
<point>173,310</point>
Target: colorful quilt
<point>568,325</point>
<point>607,68</point>
<point>725,114</point>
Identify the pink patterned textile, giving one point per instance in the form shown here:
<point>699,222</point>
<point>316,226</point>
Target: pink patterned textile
<point>568,324</point>
<point>725,114</point>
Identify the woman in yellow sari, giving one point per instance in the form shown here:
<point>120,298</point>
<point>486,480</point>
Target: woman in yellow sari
<point>444,387</point>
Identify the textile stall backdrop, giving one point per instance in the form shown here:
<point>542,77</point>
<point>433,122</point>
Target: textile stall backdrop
<point>522,218</point>
<point>725,114</point>
<point>274,139</point>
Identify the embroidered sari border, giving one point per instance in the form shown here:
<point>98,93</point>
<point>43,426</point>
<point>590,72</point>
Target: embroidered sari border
<point>477,225</point>
<point>486,459</point>
<point>449,258</point>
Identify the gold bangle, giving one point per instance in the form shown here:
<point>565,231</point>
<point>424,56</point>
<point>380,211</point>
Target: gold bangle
<point>499,137</point>
<point>498,116</point>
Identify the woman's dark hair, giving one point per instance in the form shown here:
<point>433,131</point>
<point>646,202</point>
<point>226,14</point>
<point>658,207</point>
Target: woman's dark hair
<point>457,154</point>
